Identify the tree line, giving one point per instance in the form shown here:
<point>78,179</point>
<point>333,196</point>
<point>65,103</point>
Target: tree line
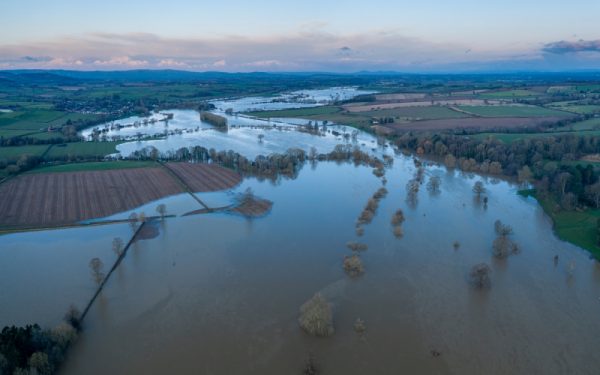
<point>543,161</point>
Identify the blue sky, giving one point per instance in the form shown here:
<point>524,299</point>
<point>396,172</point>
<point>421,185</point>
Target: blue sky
<point>266,35</point>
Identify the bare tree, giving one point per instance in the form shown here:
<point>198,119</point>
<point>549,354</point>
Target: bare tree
<point>433,185</point>
<point>96,266</point>
<point>162,210</point>
<point>480,275</point>
<point>73,317</point>
<point>117,246</point>
<point>133,220</point>
<point>503,245</point>
<point>353,265</point>
<point>502,229</point>
<point>478,188</point>
<point>357,246</point>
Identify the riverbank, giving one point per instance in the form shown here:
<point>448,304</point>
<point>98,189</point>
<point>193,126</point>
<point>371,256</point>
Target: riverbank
<point>577,227</point>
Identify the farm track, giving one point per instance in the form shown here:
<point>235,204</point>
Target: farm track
<point>64,199</point>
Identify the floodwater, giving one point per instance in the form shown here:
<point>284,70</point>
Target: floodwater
<point>295,99</point>
<point>185,129</point>
<point>220,294</point>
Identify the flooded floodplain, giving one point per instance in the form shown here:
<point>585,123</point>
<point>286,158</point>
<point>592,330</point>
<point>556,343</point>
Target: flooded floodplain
<point>220,294</point>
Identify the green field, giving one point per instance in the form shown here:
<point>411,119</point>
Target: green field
<point>512,111</point>
<point>13,153</point>
<point>519,93</point>
<point>511,137</point>
<point>576,107</point>
<point>579,228</point>
<point>34,123</point>
<point>83,149</point>
<point>332,114</point>
<point>588,88</point>
<point>591,124</point>
<point>94,166</point>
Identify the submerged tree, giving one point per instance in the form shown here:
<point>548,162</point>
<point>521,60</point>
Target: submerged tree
<point>357,246</point>
<point>73,317</point>
<point>480,275</point>
<point>433,185</point>
<point>316,317</point>
<point>161,209</point>
<point>503,245</point>
<point>478,188</point>
<point>133,220</point>
<point>360,326</point>
<point>117,246</point>
<point>353,265</point>
<point>96,266</point>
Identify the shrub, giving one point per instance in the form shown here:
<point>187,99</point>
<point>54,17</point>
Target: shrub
<point>359,326</point>
<point>316,317</point>
<point>398,232</point>
<point>353,265</point>
<point>398,217</point>
<point>357,246</point>
<point>480,275</point>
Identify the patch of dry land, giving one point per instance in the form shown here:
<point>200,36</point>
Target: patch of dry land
<point>363,107</point>
<point>476,123</point>
<point>54,199</point>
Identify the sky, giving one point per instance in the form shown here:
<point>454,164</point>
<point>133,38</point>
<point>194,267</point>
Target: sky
<point>308,35</point>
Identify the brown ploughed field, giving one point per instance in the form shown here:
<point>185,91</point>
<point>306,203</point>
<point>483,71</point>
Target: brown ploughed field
<point>205,177</point>
<point>54,199</point>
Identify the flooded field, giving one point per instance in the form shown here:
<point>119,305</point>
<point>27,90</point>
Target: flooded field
<point>247,135</point>
<point>219,293</point>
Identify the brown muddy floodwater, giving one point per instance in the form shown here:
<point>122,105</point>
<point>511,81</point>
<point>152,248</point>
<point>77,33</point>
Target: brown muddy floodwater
<point>220,294</point>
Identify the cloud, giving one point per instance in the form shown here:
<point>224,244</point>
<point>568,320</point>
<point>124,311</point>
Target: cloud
<point>172,63</point>
<point>36,58</point>
<point>564,47</point>
<point>121,61</point>
<point>308,49</point>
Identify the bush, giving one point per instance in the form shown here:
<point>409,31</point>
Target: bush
<point>316,317</point>
<point>480,275</point>
<point>398,217</point>
<point>353,265</point>
<point>357,246</point>
<point>398,232</point>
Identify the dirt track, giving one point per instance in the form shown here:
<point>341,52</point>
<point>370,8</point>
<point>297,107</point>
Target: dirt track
<point>53,199</point>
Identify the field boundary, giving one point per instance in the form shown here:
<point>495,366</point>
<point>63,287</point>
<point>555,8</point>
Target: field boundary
<point>112,269</point>
<point>185,186</point>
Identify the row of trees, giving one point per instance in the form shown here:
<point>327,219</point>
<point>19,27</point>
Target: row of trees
<point>543,160</point>
<point>271,166</point>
